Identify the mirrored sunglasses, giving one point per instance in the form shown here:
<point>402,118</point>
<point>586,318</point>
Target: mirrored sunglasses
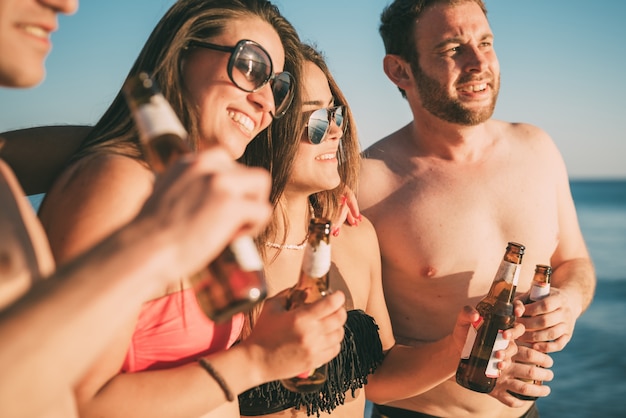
<point>319,123</point>
<point>250,68</point>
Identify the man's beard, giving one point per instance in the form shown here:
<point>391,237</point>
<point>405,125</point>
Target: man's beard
<point>436,100</point>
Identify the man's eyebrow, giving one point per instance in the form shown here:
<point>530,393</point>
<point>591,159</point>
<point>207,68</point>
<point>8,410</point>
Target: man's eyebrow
<point>461,40</point>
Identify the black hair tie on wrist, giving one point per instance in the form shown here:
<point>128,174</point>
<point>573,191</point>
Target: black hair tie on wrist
<point>218,378</point>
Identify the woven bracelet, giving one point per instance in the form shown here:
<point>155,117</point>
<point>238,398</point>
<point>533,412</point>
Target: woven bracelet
<point>218,378</point>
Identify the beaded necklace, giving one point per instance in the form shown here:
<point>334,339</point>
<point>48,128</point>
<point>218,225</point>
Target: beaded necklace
<point>288,246</point>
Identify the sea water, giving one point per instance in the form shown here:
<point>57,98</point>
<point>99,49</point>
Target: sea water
<point>590,373</point>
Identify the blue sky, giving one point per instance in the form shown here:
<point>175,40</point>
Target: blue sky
<point>561,63</point>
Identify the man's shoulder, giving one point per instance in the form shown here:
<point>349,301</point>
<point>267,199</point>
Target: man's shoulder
<point>378,158</point>
<point>524,137</point>
<point>530,144</point>
<point>382,148</point>
<point>521,130</point>
<point>383,165</point>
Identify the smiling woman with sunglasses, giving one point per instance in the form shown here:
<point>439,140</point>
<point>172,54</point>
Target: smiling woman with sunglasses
<point>250,68</point>
<point>227,67</point>
<point>313,155</point>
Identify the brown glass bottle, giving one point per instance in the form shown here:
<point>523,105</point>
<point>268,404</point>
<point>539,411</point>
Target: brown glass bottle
<point>539,290</point>
<point>234,281</point>
<point>312,285</point>
<point>477,369</point>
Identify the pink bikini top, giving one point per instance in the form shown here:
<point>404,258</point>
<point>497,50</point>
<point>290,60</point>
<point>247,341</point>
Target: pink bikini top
<point>173,330</point>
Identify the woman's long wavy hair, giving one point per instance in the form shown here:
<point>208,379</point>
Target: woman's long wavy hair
<point>275,150</point>
<point>162,55</point>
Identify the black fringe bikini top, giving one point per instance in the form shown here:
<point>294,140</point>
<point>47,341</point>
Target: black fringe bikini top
<point>361,352</point>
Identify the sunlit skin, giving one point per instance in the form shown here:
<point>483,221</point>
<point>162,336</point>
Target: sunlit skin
<point>229,115</point>
<point>26,27</point>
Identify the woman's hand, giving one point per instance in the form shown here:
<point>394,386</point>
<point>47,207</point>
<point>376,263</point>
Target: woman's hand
<point>303,338</point>
<point>349,213</point>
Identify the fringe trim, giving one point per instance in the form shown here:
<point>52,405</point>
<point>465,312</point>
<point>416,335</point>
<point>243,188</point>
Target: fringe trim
<point>361,353</point>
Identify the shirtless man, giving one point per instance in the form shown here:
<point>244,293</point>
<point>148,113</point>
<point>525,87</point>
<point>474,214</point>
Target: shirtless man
<point>449,190</point>
<point>51,331</point>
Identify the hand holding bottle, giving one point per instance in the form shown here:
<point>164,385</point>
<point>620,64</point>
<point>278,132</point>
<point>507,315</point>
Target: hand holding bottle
<point>303,338</point>
<point>313,285</point>
<point>468,316</point>
<point>518,377</point>
<point>539,290</point>
<point>201,202</point>
<point>234,281</point>
<point>550,322</point>
<point>479,367</point>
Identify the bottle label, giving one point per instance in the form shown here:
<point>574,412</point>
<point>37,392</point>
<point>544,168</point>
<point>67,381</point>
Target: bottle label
<point>157,118</point>
<point>509,272</point>
<point>539,291</point>
<point>471,337</point>
<point>316,261</point>
<point>492,365</point>
<point>246,254</point>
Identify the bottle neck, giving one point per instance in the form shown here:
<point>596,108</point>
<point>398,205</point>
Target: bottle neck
<point>317,256</point>
<point>539,290</point>
<point>316,261</point>
<point>156,118</point>
<point>504,283</point>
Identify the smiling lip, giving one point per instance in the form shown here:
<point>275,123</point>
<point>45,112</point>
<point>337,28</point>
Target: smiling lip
<point>245,123</point>
<point>39,31</point>
<point>329,156</point>
<point>473,88</point>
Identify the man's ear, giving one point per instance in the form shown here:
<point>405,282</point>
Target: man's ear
<point>398,71</point>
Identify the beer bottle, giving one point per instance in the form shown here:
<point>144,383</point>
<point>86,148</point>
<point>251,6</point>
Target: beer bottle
<point>478,369</point>
<point>312,285</point>
<point>234,281</point>
<point>539,290</point>
<point>541,283</point>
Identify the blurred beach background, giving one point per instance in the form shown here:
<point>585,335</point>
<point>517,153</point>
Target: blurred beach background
<point>562,65</point>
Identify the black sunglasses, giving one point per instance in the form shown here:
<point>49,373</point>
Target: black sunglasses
<point>254,70</point>
<point>319,123</point>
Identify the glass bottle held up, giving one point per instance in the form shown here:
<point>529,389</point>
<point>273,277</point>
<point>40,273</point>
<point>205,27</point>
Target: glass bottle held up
<point>234,281</point>
<point>539,290</point>
<point>312,285</point>
<point>478,369</point>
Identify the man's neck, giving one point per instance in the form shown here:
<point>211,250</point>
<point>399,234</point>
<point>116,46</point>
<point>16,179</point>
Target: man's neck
<point>437,138</point>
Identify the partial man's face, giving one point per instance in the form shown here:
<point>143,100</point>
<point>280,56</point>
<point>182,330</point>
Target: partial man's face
<point>25,29</point>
